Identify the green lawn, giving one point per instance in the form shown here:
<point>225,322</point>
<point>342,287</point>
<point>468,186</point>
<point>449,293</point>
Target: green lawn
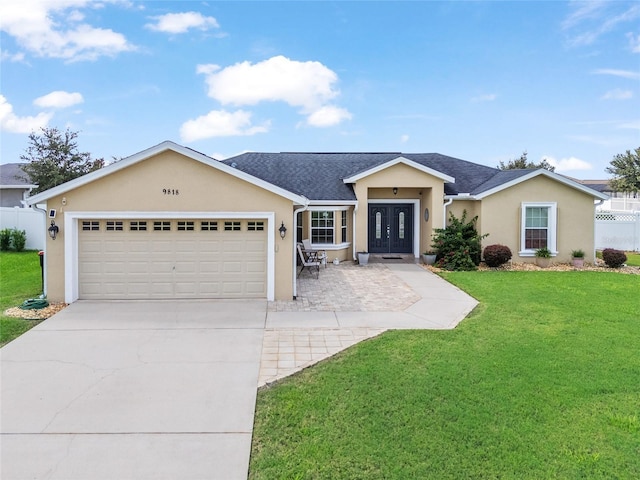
<point>633,259</point>
<point>541,382</point>
<point>20,279</point>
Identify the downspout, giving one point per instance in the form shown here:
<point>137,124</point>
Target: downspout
<point>444,212</point>
<point>595,209</point>
<point>353,226</point>
<point>295,248</point>
<point>44,265</point>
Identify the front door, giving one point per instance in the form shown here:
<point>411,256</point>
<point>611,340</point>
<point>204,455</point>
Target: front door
<point>391,228</point>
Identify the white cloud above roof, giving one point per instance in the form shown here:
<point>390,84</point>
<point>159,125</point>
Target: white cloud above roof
<point>566,164</point>
<point>54,29</point>
<point>182,22</point>
<point>489,97</point>
<point>617,73</point>
<point>328,116</point>
<point>10,122</point>
<point>618,94</point>
<point>309,86</point>
<point>58,99</point>
<point>220,123</point>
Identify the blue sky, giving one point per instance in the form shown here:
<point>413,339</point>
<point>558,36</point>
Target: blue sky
<point>481,81</point>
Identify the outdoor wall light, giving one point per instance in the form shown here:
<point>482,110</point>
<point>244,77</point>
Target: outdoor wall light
<point>426,214</point>
<point>282,230</point>
<point>53,230</point>
<point>395,190</point>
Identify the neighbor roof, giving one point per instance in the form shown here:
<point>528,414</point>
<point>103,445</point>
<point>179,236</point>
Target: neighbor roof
<point>12,176</point>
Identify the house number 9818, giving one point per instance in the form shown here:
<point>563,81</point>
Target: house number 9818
<point>170,191</point>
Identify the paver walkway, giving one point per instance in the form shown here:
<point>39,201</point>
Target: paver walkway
<point>349,303</point>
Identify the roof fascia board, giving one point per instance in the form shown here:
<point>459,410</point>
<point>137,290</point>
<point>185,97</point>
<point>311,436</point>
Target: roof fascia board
<point>461,197</point>
<point>23,187</point>
<point>155,150</point>
<point>396,161</point>
<point>332,202</point>
<point>554,176</point>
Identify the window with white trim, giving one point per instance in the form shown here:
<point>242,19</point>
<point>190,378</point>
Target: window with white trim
<point>538,227</point>
<point>322,226</point>
<point>344,226</point>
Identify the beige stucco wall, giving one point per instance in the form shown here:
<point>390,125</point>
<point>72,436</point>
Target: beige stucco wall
<point>412,184</point>
<point>202,188</point>
<point>500,216</point>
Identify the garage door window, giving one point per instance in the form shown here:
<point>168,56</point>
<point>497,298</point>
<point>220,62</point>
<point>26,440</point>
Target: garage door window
<point>186,226</point>
<point>232,226</point>
<point>255,226</point>
<point>91,225</point>
<point>138,226</point>
<point>208,226</point>
<point>162,226</point>
<point>114,226</point>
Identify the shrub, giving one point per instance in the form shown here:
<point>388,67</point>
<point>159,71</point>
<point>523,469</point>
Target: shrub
<point>496,255</point>
<point>613,258</point>
<point>18,239</point>
<point>577,253</point>
<point>5,239</point>
<point>458,245</point>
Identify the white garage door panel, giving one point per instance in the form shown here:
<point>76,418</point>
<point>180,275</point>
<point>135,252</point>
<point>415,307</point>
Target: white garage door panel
<point>141,264</point>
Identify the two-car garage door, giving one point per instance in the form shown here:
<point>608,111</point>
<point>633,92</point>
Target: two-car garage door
<point>192,258</point>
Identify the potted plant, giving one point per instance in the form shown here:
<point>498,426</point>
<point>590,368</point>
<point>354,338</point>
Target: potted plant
<point>363,258</point>
<point>543,257</point>
<point>577,258</point>
<point>429,257</point>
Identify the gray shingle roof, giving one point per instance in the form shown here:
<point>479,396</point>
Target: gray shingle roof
<point>319,176</point>
<point>10,173</point>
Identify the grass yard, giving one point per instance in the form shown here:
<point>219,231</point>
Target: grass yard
<point>20,279</point>
<point>542,381</point>
<point>633,259</point>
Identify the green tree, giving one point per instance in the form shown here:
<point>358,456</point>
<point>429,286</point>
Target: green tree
<point>53,158</point>
<point>625,168</point>
<point>522,162</point>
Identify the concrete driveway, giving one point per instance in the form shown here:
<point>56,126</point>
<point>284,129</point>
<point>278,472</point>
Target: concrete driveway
<point>133,390</point>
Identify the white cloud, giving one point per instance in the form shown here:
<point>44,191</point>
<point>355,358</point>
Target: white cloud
<point>308,85</point>
<point>617,73</point>
<point>182,22</point>
<point>54,29</point>
<point>404,138</point>
<point>566,164</point>
<point>10,122</point>
<point>618,94</point>
<point>58,99</point>
<point>220,123</point>
<point>328,116</point>
<point>634,42</point>
<point>594,19</point>
<point>633,125</point>
<point>490,97</point>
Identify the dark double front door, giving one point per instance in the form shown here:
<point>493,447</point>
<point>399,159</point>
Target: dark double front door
<point>390,228</point>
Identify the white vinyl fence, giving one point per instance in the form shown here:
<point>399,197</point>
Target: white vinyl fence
<point>620,230</point>
<point>32,222</point>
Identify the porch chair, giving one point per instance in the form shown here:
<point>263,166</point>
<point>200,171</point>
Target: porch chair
<point>308,259</point>
<point>321,254</point>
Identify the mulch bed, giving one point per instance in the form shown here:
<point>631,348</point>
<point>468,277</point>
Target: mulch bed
<point>35,314</point>
<point>554,267</point>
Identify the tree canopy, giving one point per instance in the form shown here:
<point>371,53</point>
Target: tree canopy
<point>53,158</point>
<point>625,168</point>
<point>522,162</point>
